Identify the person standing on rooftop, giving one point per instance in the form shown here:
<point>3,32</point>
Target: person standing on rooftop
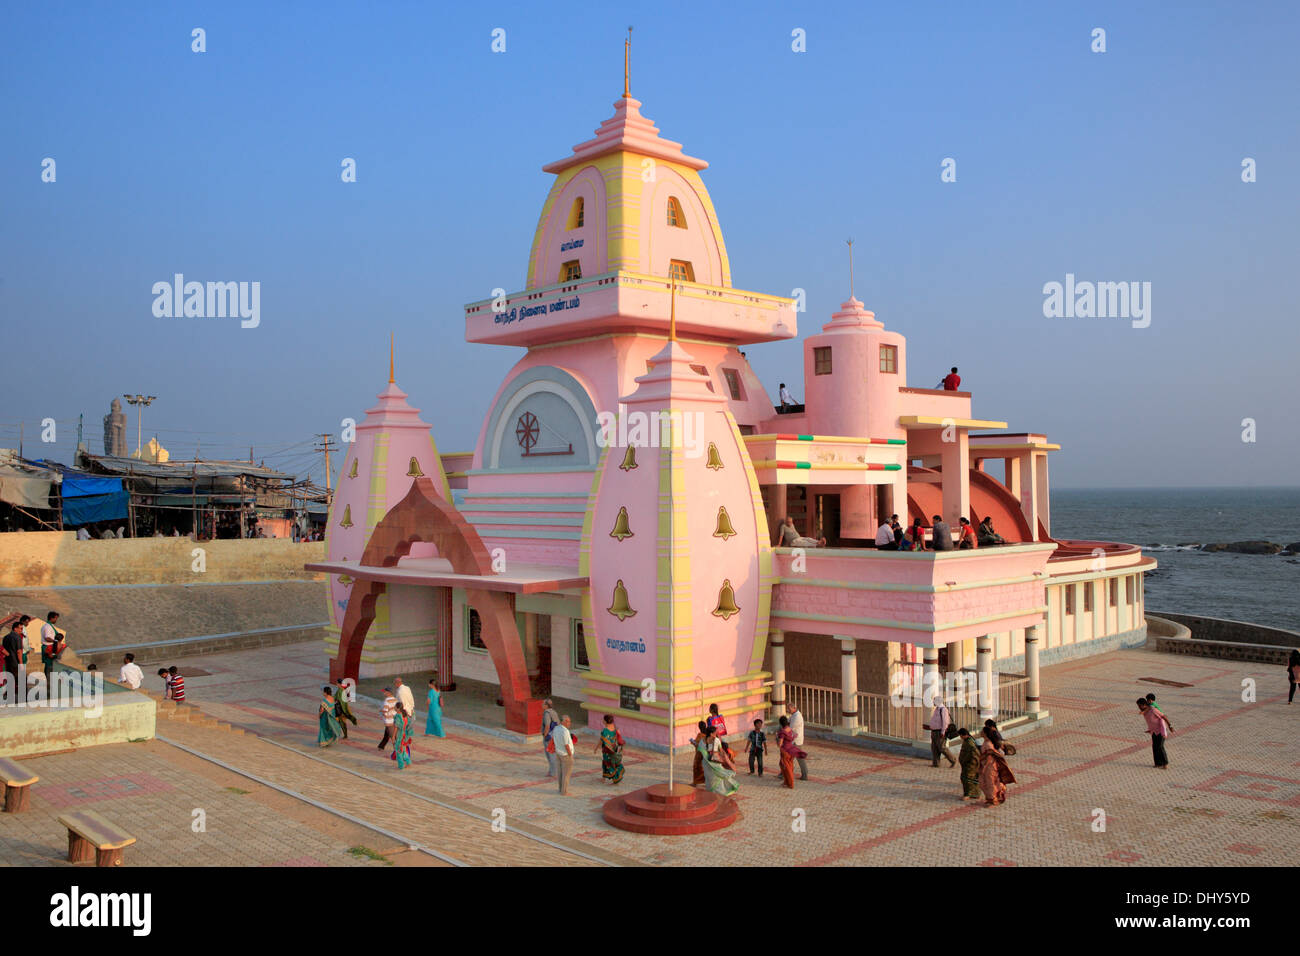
<point>952,381</point>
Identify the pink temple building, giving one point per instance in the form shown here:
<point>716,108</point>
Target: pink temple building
<point>612,538</point>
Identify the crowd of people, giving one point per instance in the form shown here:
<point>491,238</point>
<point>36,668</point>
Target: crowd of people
<point>396,711</point>
<point>892,536</point>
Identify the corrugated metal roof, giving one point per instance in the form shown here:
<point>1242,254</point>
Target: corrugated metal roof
<point>181,470</point>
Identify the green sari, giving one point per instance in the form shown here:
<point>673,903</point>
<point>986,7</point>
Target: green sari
<point>330,729</point>
<point>402,738</point>
<point>611,755</point>
<point>717,778</point>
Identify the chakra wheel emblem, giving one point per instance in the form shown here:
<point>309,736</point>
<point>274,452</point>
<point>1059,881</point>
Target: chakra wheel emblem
<point>527,431</point>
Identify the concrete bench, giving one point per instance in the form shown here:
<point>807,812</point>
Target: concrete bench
<point>89,831</point>
<point>16,779</point>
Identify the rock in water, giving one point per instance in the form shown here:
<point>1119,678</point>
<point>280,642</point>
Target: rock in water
<point>1245,547</point>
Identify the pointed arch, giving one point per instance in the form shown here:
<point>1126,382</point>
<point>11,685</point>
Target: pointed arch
<point>425,516</point>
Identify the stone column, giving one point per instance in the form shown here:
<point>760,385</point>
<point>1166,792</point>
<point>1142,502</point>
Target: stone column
<point>776,638</point>
<point>849,683</point>
<point>984,672</point>
<point>1032,690</point>
<point>931,679</point>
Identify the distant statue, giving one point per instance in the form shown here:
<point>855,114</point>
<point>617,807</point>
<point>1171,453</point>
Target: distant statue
<point>115,431</point>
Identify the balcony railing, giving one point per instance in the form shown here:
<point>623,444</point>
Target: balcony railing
<point>879,715</point>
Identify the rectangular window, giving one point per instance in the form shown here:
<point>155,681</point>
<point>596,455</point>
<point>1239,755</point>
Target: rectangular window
<point>474,631</point>
<point>570,271</point>
<point>733,383</point>
<point>1114,592</point>
<point>681,270</point>
<point>1128,589</point>
<point>822,360</point>
<point>1067,595</point>
<point>578,647</point>
<point>889,358</point>
<point>1087,597</point>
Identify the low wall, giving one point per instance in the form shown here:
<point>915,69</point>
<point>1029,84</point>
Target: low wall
<point>28,731</point>
<point>57,558</point>
<point>1221,629</point>
<point>108,659</point>
<point>1171,636</point>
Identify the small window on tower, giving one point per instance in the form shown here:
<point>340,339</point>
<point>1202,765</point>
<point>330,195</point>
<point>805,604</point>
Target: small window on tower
<point>570,271</point>
<point>733,383</point>
<point>822,360</point>
<point>681,271</point>
<point>889,358</point>
<point>675,215</point>
<point>576,214</point>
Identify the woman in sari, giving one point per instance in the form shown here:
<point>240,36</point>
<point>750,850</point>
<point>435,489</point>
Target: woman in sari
<point>969,759</point>
<point>994,772</point>
<point>433,723</point>
<point>789,752</point>
<point>330,730</point>
<point>610,746</point>
<point>697,770</point>
<point>402,722</point>
<point>717,778</point>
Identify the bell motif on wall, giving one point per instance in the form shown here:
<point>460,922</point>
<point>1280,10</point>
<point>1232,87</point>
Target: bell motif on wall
<point>726,601</point>
<point>724,530</point>
<point>347,517</point>
<point>629,459</point>
<point>621,529</point>
<point>620,608</point>
<point>413,469</point>
<point>715,458</point>
<point>353,472</point>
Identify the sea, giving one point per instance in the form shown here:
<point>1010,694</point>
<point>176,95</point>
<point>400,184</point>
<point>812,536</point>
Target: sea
<point>1171,524</point>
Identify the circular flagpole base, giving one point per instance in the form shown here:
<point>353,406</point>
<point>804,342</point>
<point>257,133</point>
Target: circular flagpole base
<point>675,811</point>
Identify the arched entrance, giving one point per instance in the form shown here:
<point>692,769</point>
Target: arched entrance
<point>424,516</point>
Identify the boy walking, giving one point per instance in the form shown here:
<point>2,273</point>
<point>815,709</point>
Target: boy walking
<point>756,746</point>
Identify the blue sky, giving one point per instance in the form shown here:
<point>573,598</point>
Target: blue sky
<point>1122,166</point>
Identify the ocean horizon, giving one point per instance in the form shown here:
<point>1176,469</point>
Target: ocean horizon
<point>1171,524</point>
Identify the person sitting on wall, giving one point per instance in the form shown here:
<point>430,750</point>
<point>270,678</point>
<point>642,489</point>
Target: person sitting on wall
<point>898,532</point>
<point>952,381</point>
<point>790,538</point>
<point>918,535</point>
<point>966,538</point>
<point>941,534</point>
<point>987,536</point>
<point>787,400</point>
<point>885,537</point>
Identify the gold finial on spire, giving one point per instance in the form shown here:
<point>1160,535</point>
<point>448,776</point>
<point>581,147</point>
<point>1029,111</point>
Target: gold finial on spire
<point>627,64</point>
<point>391,379</point>
<point>672,311</point>
<point>850,242</point>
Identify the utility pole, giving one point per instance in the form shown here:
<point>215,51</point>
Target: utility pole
<point>326,447</point>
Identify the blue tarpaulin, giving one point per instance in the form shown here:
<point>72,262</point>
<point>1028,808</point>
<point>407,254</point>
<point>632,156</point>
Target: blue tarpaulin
<point>85,509</point>
<point>80,486</point>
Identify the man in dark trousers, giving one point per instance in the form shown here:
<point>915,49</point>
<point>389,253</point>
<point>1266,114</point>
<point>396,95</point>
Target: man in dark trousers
<point>14,643</point>
<point>51,644</point>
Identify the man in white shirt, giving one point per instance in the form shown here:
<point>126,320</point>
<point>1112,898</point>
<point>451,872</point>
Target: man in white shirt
<point>940,718</point>
<point>387,711</point>
<point>786,399</point>
<point>885,536</point>
<point>50,639</point>
<point>563,739</point>
<point>405,696</point>
<point>83,534</point>
<point>130,675</point>
<point>796,728</point>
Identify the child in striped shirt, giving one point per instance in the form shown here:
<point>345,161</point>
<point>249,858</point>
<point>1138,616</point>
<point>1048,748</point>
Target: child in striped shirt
<point>177,683</point>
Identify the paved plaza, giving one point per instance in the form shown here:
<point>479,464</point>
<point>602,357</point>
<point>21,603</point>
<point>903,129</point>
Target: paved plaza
<point>1231,796</point>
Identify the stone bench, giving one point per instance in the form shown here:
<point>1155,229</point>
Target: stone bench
<point>16,779</point>
<point>89,831</point>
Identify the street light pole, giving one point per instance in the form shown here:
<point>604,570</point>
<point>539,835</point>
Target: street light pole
<point>141,401</point>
